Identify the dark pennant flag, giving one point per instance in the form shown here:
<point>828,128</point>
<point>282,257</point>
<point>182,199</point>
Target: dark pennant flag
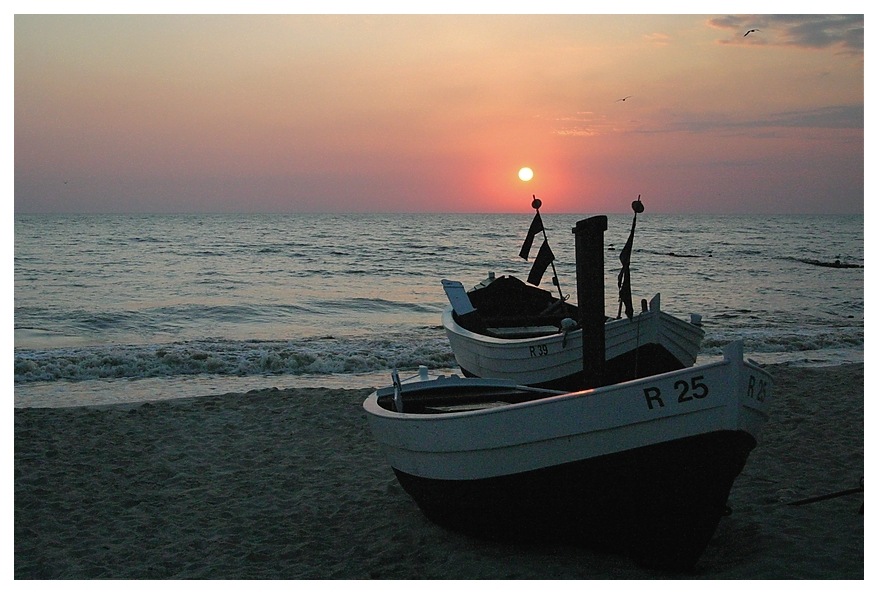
<point>536,226</point>
<point>544,258</point>
<point>624,279</point>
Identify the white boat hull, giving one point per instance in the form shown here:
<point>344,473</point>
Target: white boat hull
<point>651,342</point>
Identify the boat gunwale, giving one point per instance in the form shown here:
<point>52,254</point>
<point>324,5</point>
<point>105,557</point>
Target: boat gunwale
<point>372,406</point>
<point>451,325</point>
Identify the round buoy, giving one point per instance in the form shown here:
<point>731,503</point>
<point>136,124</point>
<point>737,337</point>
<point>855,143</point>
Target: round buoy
<point>637,205</point>
<point>537,203</point>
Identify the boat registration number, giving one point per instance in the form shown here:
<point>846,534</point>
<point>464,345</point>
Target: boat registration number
<point>539,350</point>
<point>758,389</point>
<point>695,388</point>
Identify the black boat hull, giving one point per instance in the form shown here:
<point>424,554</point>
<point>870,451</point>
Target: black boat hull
<point>659,504</point>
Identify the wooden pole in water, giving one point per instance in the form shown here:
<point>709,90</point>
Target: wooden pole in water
<point>590,295</point>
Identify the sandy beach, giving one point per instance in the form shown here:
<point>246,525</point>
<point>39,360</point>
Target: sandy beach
<point>288,484</point>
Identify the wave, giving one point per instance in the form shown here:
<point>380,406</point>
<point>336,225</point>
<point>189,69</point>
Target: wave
<point>826,263</point>
<point>327,355</point>
<point>762,341</point>
<point>672,254</point>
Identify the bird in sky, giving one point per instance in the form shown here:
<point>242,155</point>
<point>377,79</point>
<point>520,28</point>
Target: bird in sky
<point>750,31</point>
<point>624,98</point>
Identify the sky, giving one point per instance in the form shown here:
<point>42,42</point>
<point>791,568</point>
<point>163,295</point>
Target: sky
<point>359,112</point>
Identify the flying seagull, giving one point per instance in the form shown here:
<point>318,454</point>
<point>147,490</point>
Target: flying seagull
<point>624,98</point>
<point>750,31</point>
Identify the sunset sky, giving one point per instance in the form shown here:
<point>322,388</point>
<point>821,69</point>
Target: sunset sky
<point>437,113</point>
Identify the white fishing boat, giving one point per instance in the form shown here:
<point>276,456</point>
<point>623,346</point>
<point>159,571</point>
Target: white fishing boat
<point>510,329</point>
<point>546,350</point>
<point>642,468</point>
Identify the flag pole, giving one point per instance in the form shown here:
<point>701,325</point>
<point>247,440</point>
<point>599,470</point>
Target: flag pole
<point>536,204</point>
<point>624,280</point>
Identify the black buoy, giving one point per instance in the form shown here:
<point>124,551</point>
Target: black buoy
<point>637,205</point>
<point>536,204</point>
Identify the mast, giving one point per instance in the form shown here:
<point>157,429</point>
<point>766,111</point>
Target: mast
<point>590,295</point>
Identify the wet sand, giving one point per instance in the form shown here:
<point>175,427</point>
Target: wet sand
<point>288,484</point>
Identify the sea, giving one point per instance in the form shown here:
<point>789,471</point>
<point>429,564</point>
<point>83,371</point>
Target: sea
<point>129,308</point>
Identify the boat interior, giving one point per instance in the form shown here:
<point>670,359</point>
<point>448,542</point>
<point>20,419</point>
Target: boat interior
<point>457,398</point>
<point>507,307</point>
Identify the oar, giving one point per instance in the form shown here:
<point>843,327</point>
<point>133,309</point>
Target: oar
<point>540,390</point>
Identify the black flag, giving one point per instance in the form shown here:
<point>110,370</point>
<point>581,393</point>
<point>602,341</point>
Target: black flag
<point>535,227</point>
<point>544,258</point>
<point>625,275</point>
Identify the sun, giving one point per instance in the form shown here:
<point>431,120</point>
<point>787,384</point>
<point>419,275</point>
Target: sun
<point>525,174</point>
